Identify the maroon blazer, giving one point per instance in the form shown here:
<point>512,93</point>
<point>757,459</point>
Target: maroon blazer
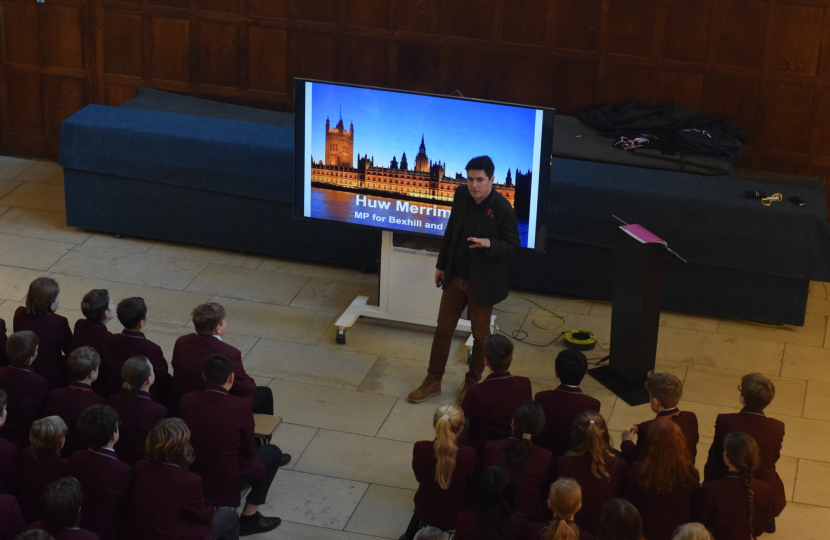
<point>189,354</point>
<point>138,414</point>
<point>530,482</point>
<point>27,393</point>
<point>222,435</point>
<point>768,434</point>
<point>87,334</point>
<point>4,359</point>
<point>465,527</point>
<point>9,467</point>
<point>74,533</point>
<point>435,506</point>
<point>489,406</point>
<point>595,491</point>
<point>687,421</point>
<point>534,532</point>
<point>118,348</point>
<point>68,403</point>
<point>35,476</point>
<point>562,406</point>
<point>11,518</point>
<point>55,336</point>
<point>167,504</point>
<point>661,514</point>
<point>725,508</point>
<point>105,482</point>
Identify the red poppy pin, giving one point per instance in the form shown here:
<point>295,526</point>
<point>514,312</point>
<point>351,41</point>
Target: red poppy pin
<point>490,212</point>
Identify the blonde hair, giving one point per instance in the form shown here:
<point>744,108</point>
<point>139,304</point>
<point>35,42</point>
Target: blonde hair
<point>565,500</point>
<point>590,436</point>
<point>692,531</point>
<point>46,436</point>
<point>448,422</point>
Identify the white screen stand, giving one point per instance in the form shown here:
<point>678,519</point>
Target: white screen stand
<point>407,292</point>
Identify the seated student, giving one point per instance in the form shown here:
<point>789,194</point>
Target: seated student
<point>444,471</point>
<point>564,404</point>
<point>11,518</point>
<point>136,408</point>
<point>227,456</point>
<point>4,359</point>
<point>167,502</point>
<point>38,316</point>
<point>105,480</point>
<point>41,464</point>
<point>564,501</point>
<point>664,485</point>
<point>91,331</point>
<point>190,351</point>
<point>738,506</point>
<point>490,404</point>
<point>26,390</point>
<point>620,521</point>
<point>757,392</point>
<point>529,466</point>
<point>591,463</point>
<point>664,390</point>
<point>692,531</point>
<point>9,456</point>
<point>70,401</point>
<point>62,511</point>
<point>118,348</point>
<point>492,514</point>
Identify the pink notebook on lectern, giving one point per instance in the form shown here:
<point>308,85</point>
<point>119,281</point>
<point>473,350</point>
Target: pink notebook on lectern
<point>643,235</point>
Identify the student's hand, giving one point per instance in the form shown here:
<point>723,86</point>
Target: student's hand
<point>479,242</point>
<point>628,434</point>
<point>439,274</point>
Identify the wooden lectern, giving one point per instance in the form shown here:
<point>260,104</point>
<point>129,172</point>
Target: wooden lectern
<point>635,314</point>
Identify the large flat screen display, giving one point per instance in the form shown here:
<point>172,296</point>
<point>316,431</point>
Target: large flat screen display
<point>393,160</point>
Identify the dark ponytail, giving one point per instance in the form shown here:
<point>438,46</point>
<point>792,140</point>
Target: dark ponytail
<point>493,504</point>
<point>742,452</point>
<point>528,423</point>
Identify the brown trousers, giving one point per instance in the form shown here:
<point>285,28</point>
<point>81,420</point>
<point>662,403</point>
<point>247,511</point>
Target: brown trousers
<point>456,296</point>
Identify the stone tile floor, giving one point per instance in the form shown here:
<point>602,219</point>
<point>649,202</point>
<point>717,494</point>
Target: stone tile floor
<point>346,421</point>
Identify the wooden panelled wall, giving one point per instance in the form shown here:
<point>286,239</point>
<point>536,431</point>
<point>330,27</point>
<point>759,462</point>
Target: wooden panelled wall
<point>763,63</point>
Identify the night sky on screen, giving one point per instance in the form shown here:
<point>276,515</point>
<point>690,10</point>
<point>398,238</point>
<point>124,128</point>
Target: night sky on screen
<point>388,124</point>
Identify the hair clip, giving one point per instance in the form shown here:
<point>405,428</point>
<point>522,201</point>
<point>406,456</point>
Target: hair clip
<point>527,437</point>
<point>592,422</point>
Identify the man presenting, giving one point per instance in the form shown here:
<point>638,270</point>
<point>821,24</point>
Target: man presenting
<point>482,235</point>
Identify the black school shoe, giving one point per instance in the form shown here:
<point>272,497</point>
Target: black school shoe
<point>770,526</point>
<point>286,459</point>
<point>256,524</point>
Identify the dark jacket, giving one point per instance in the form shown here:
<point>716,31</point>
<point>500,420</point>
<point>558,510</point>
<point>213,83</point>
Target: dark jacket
<point>87,334</point>
<point>465,527</point>
<point>27,394</point>
<point>4,360</point>
<point>11,518</point>
<point>54,334</point>
<point>562,406</point>
<point>488,267</point>
<point>188,356</point>
<point>435,506</point>
<point>768,434</point>
<point>138,414</point>
<point>595,491</point>
<point>685,420</point>
<point>167,504</point>
<point>35,476</point>
<point>530,482</point>
<point>67,534</point>
<point>662,514</point>
<point>222,435</point>
<point>9,467</point>
<point>489,406</point>
<point>105,482</point>
<point>68,403</point>
<point>725,508</point>
<point>118,348</point>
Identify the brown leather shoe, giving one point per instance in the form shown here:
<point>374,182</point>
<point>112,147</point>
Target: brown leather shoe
<point>430,387</point>
<point>466,385</point>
